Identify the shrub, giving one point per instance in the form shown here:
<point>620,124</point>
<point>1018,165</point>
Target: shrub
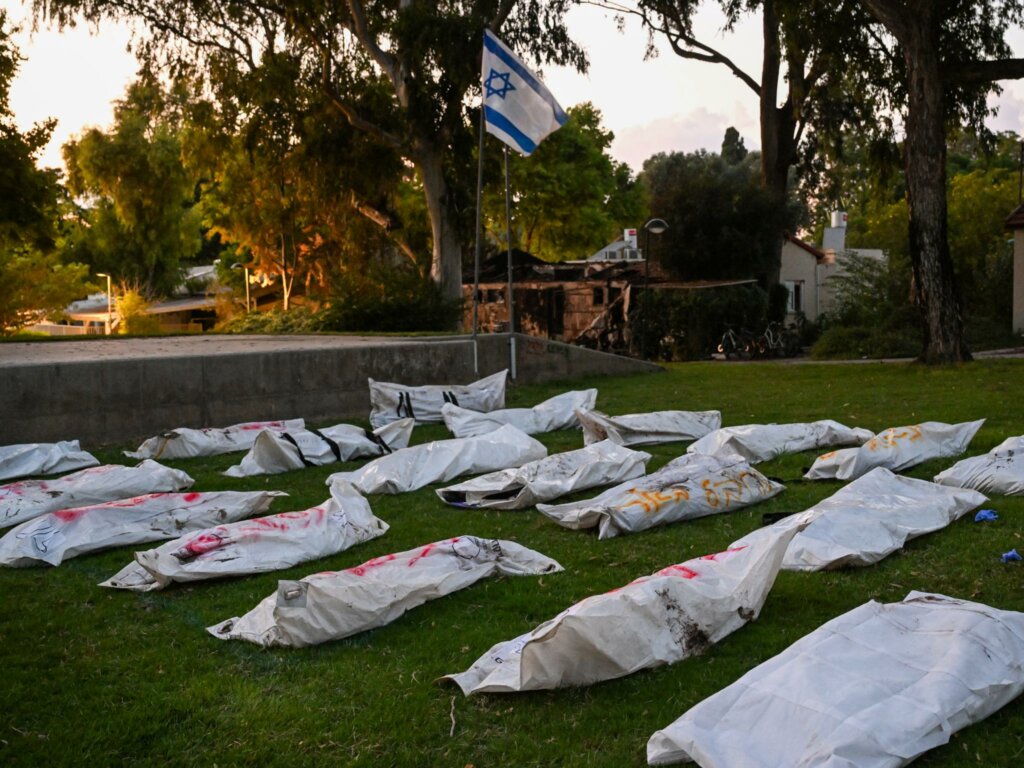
<point>687,325</point>
<point>298,319</point>
<point>846,342</point>
<point>131,308</point>
<point>391,300</point>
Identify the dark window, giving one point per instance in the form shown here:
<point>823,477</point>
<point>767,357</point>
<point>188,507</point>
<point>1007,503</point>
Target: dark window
<point>598,296</point>
<point>495,295</point>
<point>798,297</point>
<point>557,324</point>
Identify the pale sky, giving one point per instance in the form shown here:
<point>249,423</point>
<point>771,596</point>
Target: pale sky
<point>659,105</point>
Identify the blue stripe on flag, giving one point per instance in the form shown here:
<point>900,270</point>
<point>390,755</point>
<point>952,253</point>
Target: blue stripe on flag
<point>495,118</point>
<point>492,44</point>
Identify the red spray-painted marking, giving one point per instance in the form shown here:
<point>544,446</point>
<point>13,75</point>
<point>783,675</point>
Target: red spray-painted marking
<point>135,501</point>
<point>206,542</point>
<point>716,555</point>
<point>263,425</point>
<point>70,515</point>
<point>678,570</point>
<point>283,521</point>
<point>424,552</point>
<point>190,497</point>
<point>360,570</point>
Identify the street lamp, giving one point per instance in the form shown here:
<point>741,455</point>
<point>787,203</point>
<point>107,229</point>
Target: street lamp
<point>236,265</point>
<point>110,316</point>
<point>653,226</point>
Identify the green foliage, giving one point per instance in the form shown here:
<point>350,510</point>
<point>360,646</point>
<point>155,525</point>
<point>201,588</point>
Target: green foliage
<point>300,319</point>
<point>401,74</point>
<point>982,191</point>
<point>722,222</point>
<point>287,186</point>
<point>850,342</point>
<point>873,316</point>
<point>687,325</point>
<point>131,308</point>
<point>34,284</point>
<point>388,300</point>
<point>95,676</point>
<point>139,222</point>
<point>33,280</point>
<point>571,197</point>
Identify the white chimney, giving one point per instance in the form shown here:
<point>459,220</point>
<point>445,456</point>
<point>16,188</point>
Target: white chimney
<point>834,239</point>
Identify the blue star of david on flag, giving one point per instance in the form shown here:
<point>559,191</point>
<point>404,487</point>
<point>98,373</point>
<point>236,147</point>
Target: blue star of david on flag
<point>518,108</point>
<point>504,85</point>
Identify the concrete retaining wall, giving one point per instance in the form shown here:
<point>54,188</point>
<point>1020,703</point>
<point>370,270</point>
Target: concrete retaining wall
<point>106,398</point>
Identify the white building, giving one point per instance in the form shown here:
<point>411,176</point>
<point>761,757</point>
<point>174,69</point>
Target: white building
<point>807,271</point>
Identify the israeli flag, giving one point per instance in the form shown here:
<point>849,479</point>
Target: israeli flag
<point>518,109</point>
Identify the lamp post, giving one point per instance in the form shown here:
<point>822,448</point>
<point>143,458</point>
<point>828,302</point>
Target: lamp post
<point>653,226</point>
<point>110,316</point>
<point>236,265</point>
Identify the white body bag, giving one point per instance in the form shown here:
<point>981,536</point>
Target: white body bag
<point>647,428</point>
<point>548,478</point>
<point>43,459</point>
<point>24,500</point>
<point>276,452</point>
<point>187,443</point>
<point>391,402</point>
<point>255,546</point>
<point>558,412</point>
<point>684,489</point>
<point>334,605</point>
<point>873,688</point>
<point>897,448</point>
<point>764,442</point>
<point>67,533</point>
<point>872,517</point>
<point>999,471</point>
<point>412,468</point>
<point>659,619</point>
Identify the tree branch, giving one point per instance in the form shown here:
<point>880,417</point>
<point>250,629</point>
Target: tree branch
<point>351,114</point>
<point>388,63</point>
<point>979,72</point>
<point>892,14</point>
<point>678,37</point>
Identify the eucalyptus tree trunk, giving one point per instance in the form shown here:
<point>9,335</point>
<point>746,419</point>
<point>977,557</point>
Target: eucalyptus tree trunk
<point>446,262</point>
<point>778,125</point>
<point>937,294</point>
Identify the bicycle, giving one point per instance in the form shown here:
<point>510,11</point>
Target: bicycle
<point>741,345</point>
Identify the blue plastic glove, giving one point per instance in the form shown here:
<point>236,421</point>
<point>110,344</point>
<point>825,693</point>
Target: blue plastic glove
<point>986,515</point>
<point>1011,557</point>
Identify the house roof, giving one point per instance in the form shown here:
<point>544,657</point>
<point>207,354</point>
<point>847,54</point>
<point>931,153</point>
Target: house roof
<point>96,309</point>
<point>815,252</point>
<point>527,268</point>
<point>1016,219</point>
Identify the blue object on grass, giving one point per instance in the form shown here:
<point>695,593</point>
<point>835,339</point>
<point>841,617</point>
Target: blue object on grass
<point>1011,556</point>
<point>986,515</point>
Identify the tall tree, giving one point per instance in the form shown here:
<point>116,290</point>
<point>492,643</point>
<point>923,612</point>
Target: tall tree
<point>427,51</point>
<point>803,83</point>
<point>952,53</point>
<point>140,223</point>
<point>723,221</point>
<point>282,179</point>
<point>571,196</point>
<point>33,280</point>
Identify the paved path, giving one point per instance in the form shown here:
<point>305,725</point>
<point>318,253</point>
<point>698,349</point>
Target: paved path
<point>56,352</point>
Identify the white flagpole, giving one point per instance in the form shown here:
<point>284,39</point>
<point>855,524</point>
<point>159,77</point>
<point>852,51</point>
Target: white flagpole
<point>479,241</point>
<point>511,305</point>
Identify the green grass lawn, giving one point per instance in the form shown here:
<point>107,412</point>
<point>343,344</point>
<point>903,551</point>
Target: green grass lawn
<point>101,677</point>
